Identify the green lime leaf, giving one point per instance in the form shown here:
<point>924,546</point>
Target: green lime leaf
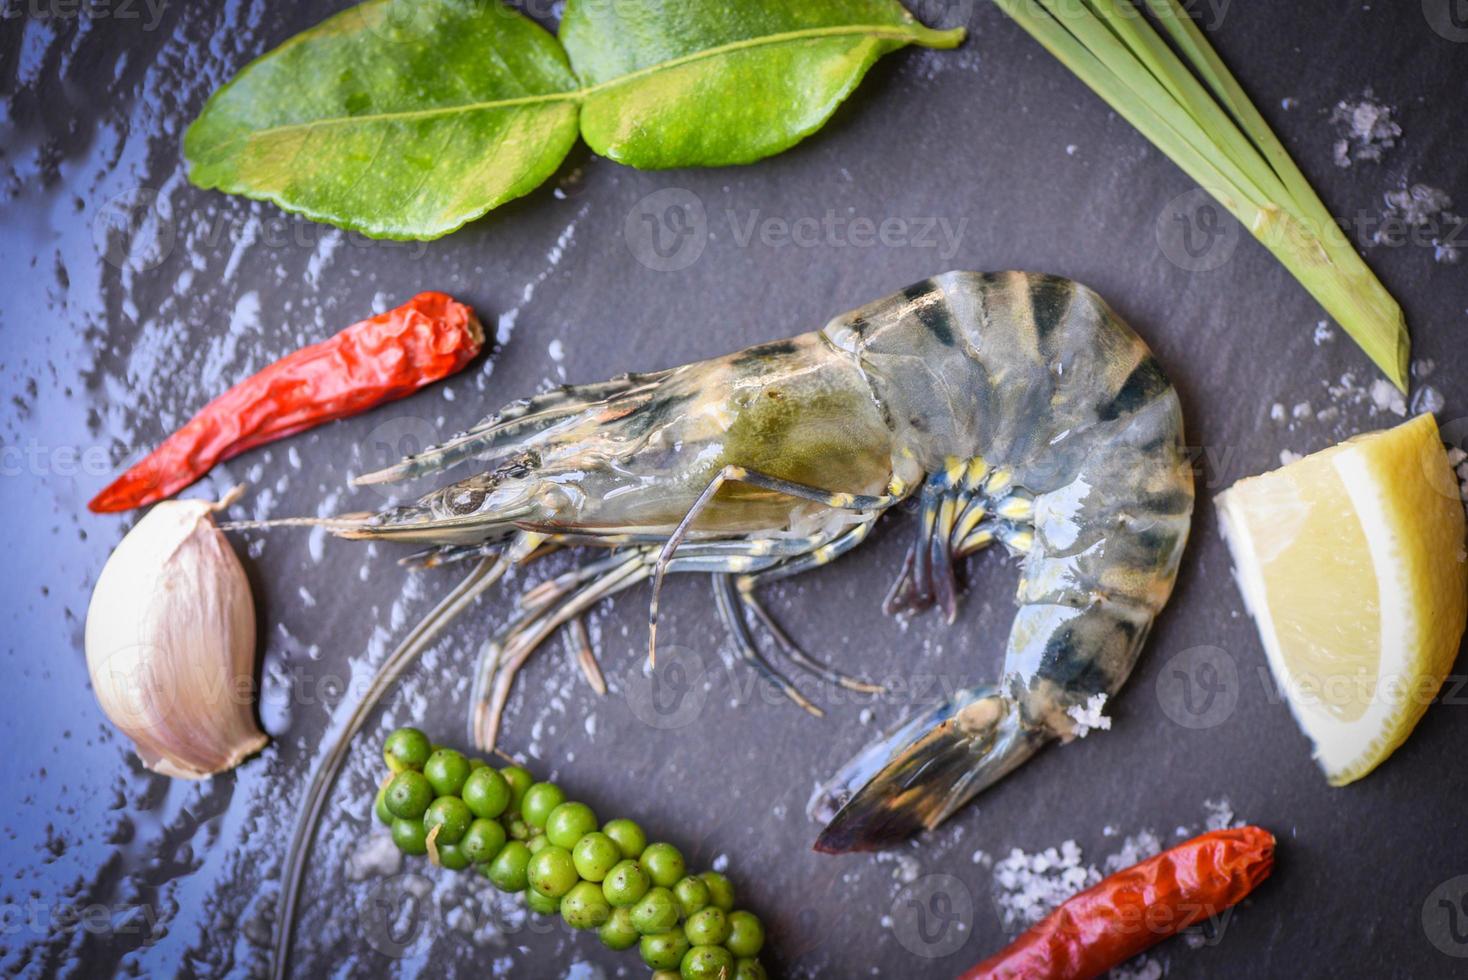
<point>681,83</point>
<point>395,118</point>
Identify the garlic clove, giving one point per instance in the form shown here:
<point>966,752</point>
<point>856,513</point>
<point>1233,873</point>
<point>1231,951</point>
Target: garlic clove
<point>170,641</point>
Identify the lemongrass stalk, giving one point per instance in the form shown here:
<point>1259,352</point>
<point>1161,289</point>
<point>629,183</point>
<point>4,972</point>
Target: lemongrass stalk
<point>1202,167</point>
<point>1356,299</point>
<point>1178,123</point>
<point>1229,150</point>
<point>1131,28</point>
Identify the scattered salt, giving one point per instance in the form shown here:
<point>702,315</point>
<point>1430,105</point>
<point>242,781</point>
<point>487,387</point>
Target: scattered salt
<point>376,856</point>
<point>1427,399</point>
<point>1426,210</point>
<point>1286,457</point>
<point>1277,412</point>
<point>1220,815</point>
<point>1088,717</point>
<point>1366,130</point>
<point>1301,411</point>
<point>1386,397</point>
<point>1134,849</point>
<point>1323,333</point>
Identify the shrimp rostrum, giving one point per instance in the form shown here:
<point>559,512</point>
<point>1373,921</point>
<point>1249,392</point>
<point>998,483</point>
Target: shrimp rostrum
<point>1016,408</point>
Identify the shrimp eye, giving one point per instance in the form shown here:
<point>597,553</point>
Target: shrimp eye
<point>467,501</point>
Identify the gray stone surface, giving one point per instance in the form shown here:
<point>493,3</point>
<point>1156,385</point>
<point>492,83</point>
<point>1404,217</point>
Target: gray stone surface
<point>109,342</point>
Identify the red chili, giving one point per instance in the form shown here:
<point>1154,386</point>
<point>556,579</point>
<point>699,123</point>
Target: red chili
<point>377,360</point>
<point>1137,908</point>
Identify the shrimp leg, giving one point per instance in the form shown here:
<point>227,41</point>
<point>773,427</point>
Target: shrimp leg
<point>738,474</point>
<point>726,600</point>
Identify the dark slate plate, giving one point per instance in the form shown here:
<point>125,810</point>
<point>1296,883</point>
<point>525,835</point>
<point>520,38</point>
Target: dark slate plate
<point>110,342</point>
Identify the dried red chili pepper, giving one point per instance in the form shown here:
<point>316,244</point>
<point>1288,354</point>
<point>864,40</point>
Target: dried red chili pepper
<point>377,360</point>
<point>1137,908</point>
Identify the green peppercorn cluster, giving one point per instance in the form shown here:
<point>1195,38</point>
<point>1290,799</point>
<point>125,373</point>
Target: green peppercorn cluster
<point>525,836</point>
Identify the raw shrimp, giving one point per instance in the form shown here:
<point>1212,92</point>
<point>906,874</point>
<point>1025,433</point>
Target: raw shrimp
<point>1016,407</point>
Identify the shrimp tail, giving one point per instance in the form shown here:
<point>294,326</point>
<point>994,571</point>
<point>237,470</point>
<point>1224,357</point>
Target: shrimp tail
<point>924,770</point>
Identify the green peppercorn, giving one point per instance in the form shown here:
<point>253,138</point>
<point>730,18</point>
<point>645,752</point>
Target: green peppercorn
<point>618,932</point>
<point>517,828</point>
<point>406,748</point>
<point>542,904</point>
<point>451,856</point>
<point>710,927</point>
<point>538,803</point>
<point>551,871</point>
<point>628,836</point>
<point>663,864</point>
<point>664,950</point>
<point>519,780</point>
<point>655,912</point>
<point>721,893</point>
<point>584,907</point>
<point>750,969</point>
<point>595,855</point>
<point>568,823</point>
<point>746,934</point>
<point>483,840</point>
<point>486,793</point>
<point>379,807</point>
<point>706,963</point>
<point>408,795</point>
<point>410,836</point>
<point>450,816</point>
<point>625,884</point>
<point>446,771</point>
<point>508,869</point>
<point>692,895</point>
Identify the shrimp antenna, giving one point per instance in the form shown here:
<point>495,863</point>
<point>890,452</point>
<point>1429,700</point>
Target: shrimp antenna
<point>485,574</point>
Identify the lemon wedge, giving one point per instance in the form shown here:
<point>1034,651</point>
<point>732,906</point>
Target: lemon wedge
<point>1352,563</point>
